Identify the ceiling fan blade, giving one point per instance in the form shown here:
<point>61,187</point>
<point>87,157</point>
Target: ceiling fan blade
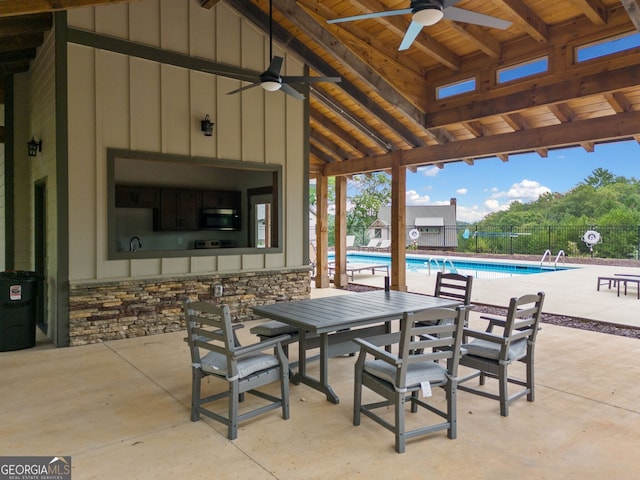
<point>289,90</point>
<point>246,87</point>
<point>365,16</point>
<point>410,35</point>
<point>311,79</point>
<point>245,77</point>
<point>274,67</point>
<point>466,16</point>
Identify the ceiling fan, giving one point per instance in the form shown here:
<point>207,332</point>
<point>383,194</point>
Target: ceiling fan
<point>429,12</point>
<point>271,80</point>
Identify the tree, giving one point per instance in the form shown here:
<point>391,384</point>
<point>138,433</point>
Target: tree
<point>599,178</point>
<point>365,195</point>
<point>368,194</point>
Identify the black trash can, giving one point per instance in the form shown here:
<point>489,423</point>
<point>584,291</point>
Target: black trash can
<point>18,291</point>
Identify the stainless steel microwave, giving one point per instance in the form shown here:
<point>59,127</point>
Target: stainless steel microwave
<point>220,219</point>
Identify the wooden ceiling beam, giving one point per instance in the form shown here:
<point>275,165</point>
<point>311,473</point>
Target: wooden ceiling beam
<point>596,130</point>
<point>329,145</point>
<point>332,155</point>
<point>423,43</point>
<point>14,68</point>
<point>440,135</point>
<point>321,154</point>
<point>342,133</point>
<point>26,25</point>
<point>476,128</point>
<point>353,33</point>
<point>404,77</point>
<point>481,38</point>
<point>588,146</point>
<point>516,121</point>
<point>564,90</point>
<point>309,25</point>
<point>562,112</point>
<point>295,46</point>
<point>351,119</point>
<point>18,55</point>
<point>618,101</point>
<point>594,10</point>
<point>532,23</point>
<point>20,42</point>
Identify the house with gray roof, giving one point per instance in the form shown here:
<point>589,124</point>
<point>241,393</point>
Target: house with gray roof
<point>427,226</point>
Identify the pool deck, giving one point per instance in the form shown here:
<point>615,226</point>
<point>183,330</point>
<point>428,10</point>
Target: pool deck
<point>571,292</point>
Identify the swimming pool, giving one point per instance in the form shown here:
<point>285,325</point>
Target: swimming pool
<point>478,268</point>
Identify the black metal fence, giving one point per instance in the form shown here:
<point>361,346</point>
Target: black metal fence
<point>612,241</point>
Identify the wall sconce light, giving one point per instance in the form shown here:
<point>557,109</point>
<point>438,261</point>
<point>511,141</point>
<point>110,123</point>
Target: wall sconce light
<point>207,126</point>
<point>33,147</point>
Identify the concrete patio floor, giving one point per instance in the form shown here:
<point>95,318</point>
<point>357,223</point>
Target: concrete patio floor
<point>120,409</point>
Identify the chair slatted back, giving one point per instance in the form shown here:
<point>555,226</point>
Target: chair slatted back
<point>434,334</point>
<point>454,286</point>
<point>523,318</point>
<point>209,327</point>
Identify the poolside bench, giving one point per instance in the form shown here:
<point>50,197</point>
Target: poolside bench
<point>616,281</point>
<point>359,268</point>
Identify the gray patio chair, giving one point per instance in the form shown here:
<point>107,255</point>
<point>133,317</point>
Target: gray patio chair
<point>490,352</point>
<point>454,286</point>
<point>244,368</point>
<point>400,378</point>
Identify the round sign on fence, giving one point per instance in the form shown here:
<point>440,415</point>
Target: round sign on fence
<point>591,237</point>
<point>414,234</point>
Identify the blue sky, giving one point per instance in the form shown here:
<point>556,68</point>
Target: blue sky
<point>491,184</point>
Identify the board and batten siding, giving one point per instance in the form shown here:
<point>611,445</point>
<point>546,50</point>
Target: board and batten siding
<point>125,102</point>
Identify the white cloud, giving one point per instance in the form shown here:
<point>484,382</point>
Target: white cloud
<point>414,198</point>
<point>462,191</point>
<point>429,171</point>
<point>524,191</point>
<point>470,214</point>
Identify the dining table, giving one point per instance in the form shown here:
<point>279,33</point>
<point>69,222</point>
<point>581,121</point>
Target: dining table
<point>336,320</point>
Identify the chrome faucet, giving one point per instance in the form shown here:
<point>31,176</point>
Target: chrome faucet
<point>131,246</point>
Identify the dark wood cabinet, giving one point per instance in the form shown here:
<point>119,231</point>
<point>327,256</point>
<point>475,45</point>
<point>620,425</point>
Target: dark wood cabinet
<point>175,209</point>
<point>179,210</point>
<point>221,199</point>
<point>137,197</point>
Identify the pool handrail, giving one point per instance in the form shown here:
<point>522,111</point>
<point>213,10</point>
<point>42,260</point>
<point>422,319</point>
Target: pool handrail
<point>555,263</point>
<point>444,265</point>
<point>428,264</point>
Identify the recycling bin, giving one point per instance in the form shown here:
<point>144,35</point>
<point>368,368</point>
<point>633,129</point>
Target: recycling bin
<point>18,291</point>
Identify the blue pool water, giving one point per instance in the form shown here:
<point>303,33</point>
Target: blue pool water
<point>465,266</point>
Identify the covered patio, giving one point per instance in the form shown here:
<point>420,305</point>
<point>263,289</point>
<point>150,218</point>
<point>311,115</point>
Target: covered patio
<point>121,410</point>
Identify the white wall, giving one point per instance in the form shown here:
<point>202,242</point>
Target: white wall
<point>129,103</point>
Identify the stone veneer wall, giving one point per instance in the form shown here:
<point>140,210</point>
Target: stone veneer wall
<point>100,311</point>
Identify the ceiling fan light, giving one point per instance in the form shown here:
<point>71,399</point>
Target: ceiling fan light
<point>271,86</point>
<point>429,15</point>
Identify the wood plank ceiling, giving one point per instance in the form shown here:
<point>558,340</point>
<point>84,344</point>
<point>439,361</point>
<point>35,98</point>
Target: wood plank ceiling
<point>387,98</point>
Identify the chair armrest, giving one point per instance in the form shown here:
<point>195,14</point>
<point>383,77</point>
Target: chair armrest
<point>490,337</point>
<point>377,352</point>
<point>260,346</point>
<point>234,327</point>
<point>493,321</point>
